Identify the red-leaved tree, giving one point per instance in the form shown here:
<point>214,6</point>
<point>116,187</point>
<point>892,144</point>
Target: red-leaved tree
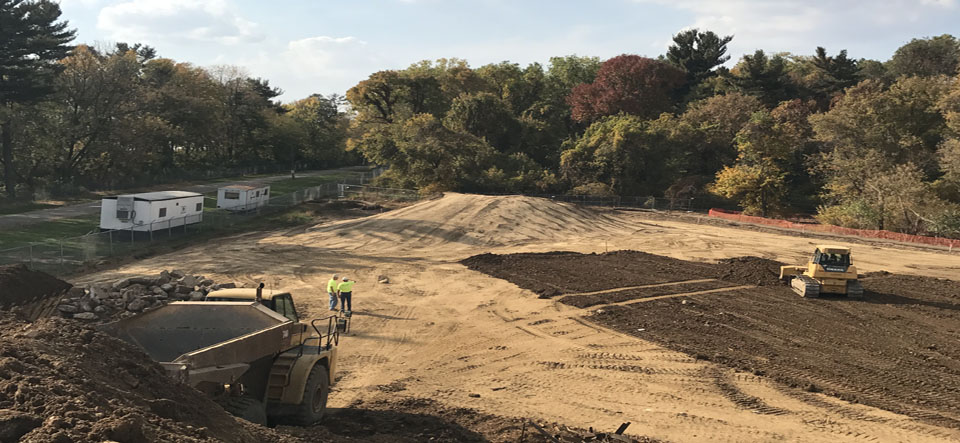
<point>627,83</point>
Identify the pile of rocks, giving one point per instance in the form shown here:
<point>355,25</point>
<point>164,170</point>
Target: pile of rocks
<point>128,296</point>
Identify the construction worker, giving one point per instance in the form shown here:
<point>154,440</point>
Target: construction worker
<point>345,289</point>
<point>332,291</point>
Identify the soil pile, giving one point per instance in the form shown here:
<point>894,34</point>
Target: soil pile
<point>462,220</point>
<point>61,381</point>
<point>19,285</point>
<point>750,271</point>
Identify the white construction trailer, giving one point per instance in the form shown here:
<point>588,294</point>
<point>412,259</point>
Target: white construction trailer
<point>151,211</point>
<point>243,197</point>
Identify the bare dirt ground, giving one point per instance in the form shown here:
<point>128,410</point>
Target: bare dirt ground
<point>467,340</point>
<point>897,349</point>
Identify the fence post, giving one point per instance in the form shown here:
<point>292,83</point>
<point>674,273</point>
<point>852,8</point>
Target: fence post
<point>61,254</point>
<point>131,234</point>
<point>151,231</point>
<point>111,241</point>
<point>31,255</point>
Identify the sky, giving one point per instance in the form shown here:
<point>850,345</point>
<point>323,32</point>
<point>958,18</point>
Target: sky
<point>327,46</point>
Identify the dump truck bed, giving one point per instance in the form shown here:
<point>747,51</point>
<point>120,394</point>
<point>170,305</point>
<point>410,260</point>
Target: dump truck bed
<point>209,341</point>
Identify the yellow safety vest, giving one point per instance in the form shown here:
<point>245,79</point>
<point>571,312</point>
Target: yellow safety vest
<point>346,286</point>
<point>332,285</point>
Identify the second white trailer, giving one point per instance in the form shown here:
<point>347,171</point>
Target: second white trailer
<point>243,197</point>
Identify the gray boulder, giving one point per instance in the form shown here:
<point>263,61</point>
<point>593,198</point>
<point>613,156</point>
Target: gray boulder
<point>120,284</point>
<point>137,305</point>
<point>196,296</point>
<point>85,316</point>
<point>68,309</point>
<point>190,281</point>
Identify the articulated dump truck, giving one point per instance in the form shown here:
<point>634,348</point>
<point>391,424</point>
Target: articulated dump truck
<point>245,349</point>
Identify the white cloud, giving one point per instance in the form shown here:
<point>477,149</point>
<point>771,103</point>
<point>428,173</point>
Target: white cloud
<point>321,64</point>
<point>793,25</point>
<point>154,21</point>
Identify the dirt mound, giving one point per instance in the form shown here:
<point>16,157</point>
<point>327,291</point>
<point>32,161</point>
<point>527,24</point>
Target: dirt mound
<point>461,220</point>
<point>62,381</point>
<point>19,285</point>
<point>750,271</point>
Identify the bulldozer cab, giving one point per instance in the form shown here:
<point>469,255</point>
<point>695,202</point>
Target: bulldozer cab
<point>832,258</point>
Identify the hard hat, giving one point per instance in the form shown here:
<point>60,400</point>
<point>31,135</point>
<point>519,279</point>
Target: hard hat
<point>335,276</point>
<point>346,279</point>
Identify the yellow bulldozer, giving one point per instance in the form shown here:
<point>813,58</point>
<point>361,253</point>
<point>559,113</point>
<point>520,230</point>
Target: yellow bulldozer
<point>830,271</point>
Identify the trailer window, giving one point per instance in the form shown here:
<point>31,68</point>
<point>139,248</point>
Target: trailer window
<point>199,206</point>
<point>163,212</point>
<point>231,195</point>
<point>266,192</point>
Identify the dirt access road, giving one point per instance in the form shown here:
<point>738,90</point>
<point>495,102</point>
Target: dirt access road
<point>465,339</point>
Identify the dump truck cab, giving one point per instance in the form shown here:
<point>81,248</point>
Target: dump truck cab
<point>255,358</point>
<point>279,302</point>
<point>830,270</point>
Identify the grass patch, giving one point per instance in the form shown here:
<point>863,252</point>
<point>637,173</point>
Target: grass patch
<point>21,207</point>
<point>49,232</point>
<point>283,187</point>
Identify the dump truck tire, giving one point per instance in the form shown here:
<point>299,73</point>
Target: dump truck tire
<point>315,395</point>
<point>247,408</point>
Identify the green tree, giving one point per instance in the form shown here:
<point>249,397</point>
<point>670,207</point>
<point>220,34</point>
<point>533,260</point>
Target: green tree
<point>486,116</point>
<point>698,53</point>
<point>770,146</point>
<point>927,57</point>
<point>620,153</point>
<point>764,77</point>
<point>33,40</point>
<point>426,155</point>
<point>903,122</point>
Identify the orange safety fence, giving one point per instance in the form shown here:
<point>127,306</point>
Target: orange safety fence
<point>867,233</point>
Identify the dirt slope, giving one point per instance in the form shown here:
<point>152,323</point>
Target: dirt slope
<point>444,332</point>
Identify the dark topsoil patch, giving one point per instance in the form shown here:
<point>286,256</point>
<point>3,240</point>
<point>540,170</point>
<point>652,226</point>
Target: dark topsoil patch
<point>556,273</point>
<point>551,274</point>
<point>587,300</point>
<point>897,349</point>
<point>19,285</point>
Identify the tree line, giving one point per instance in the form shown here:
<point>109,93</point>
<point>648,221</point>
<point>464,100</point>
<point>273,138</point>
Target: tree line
<point>80,117</point>
<point>858,142</point>
<point>861,143</point>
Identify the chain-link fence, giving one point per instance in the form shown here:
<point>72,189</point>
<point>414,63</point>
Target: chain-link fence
<point>375,193</point>
<point>63,256</point>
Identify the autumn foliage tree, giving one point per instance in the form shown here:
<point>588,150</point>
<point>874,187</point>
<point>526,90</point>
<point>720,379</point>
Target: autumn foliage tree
<point>629,84</point>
